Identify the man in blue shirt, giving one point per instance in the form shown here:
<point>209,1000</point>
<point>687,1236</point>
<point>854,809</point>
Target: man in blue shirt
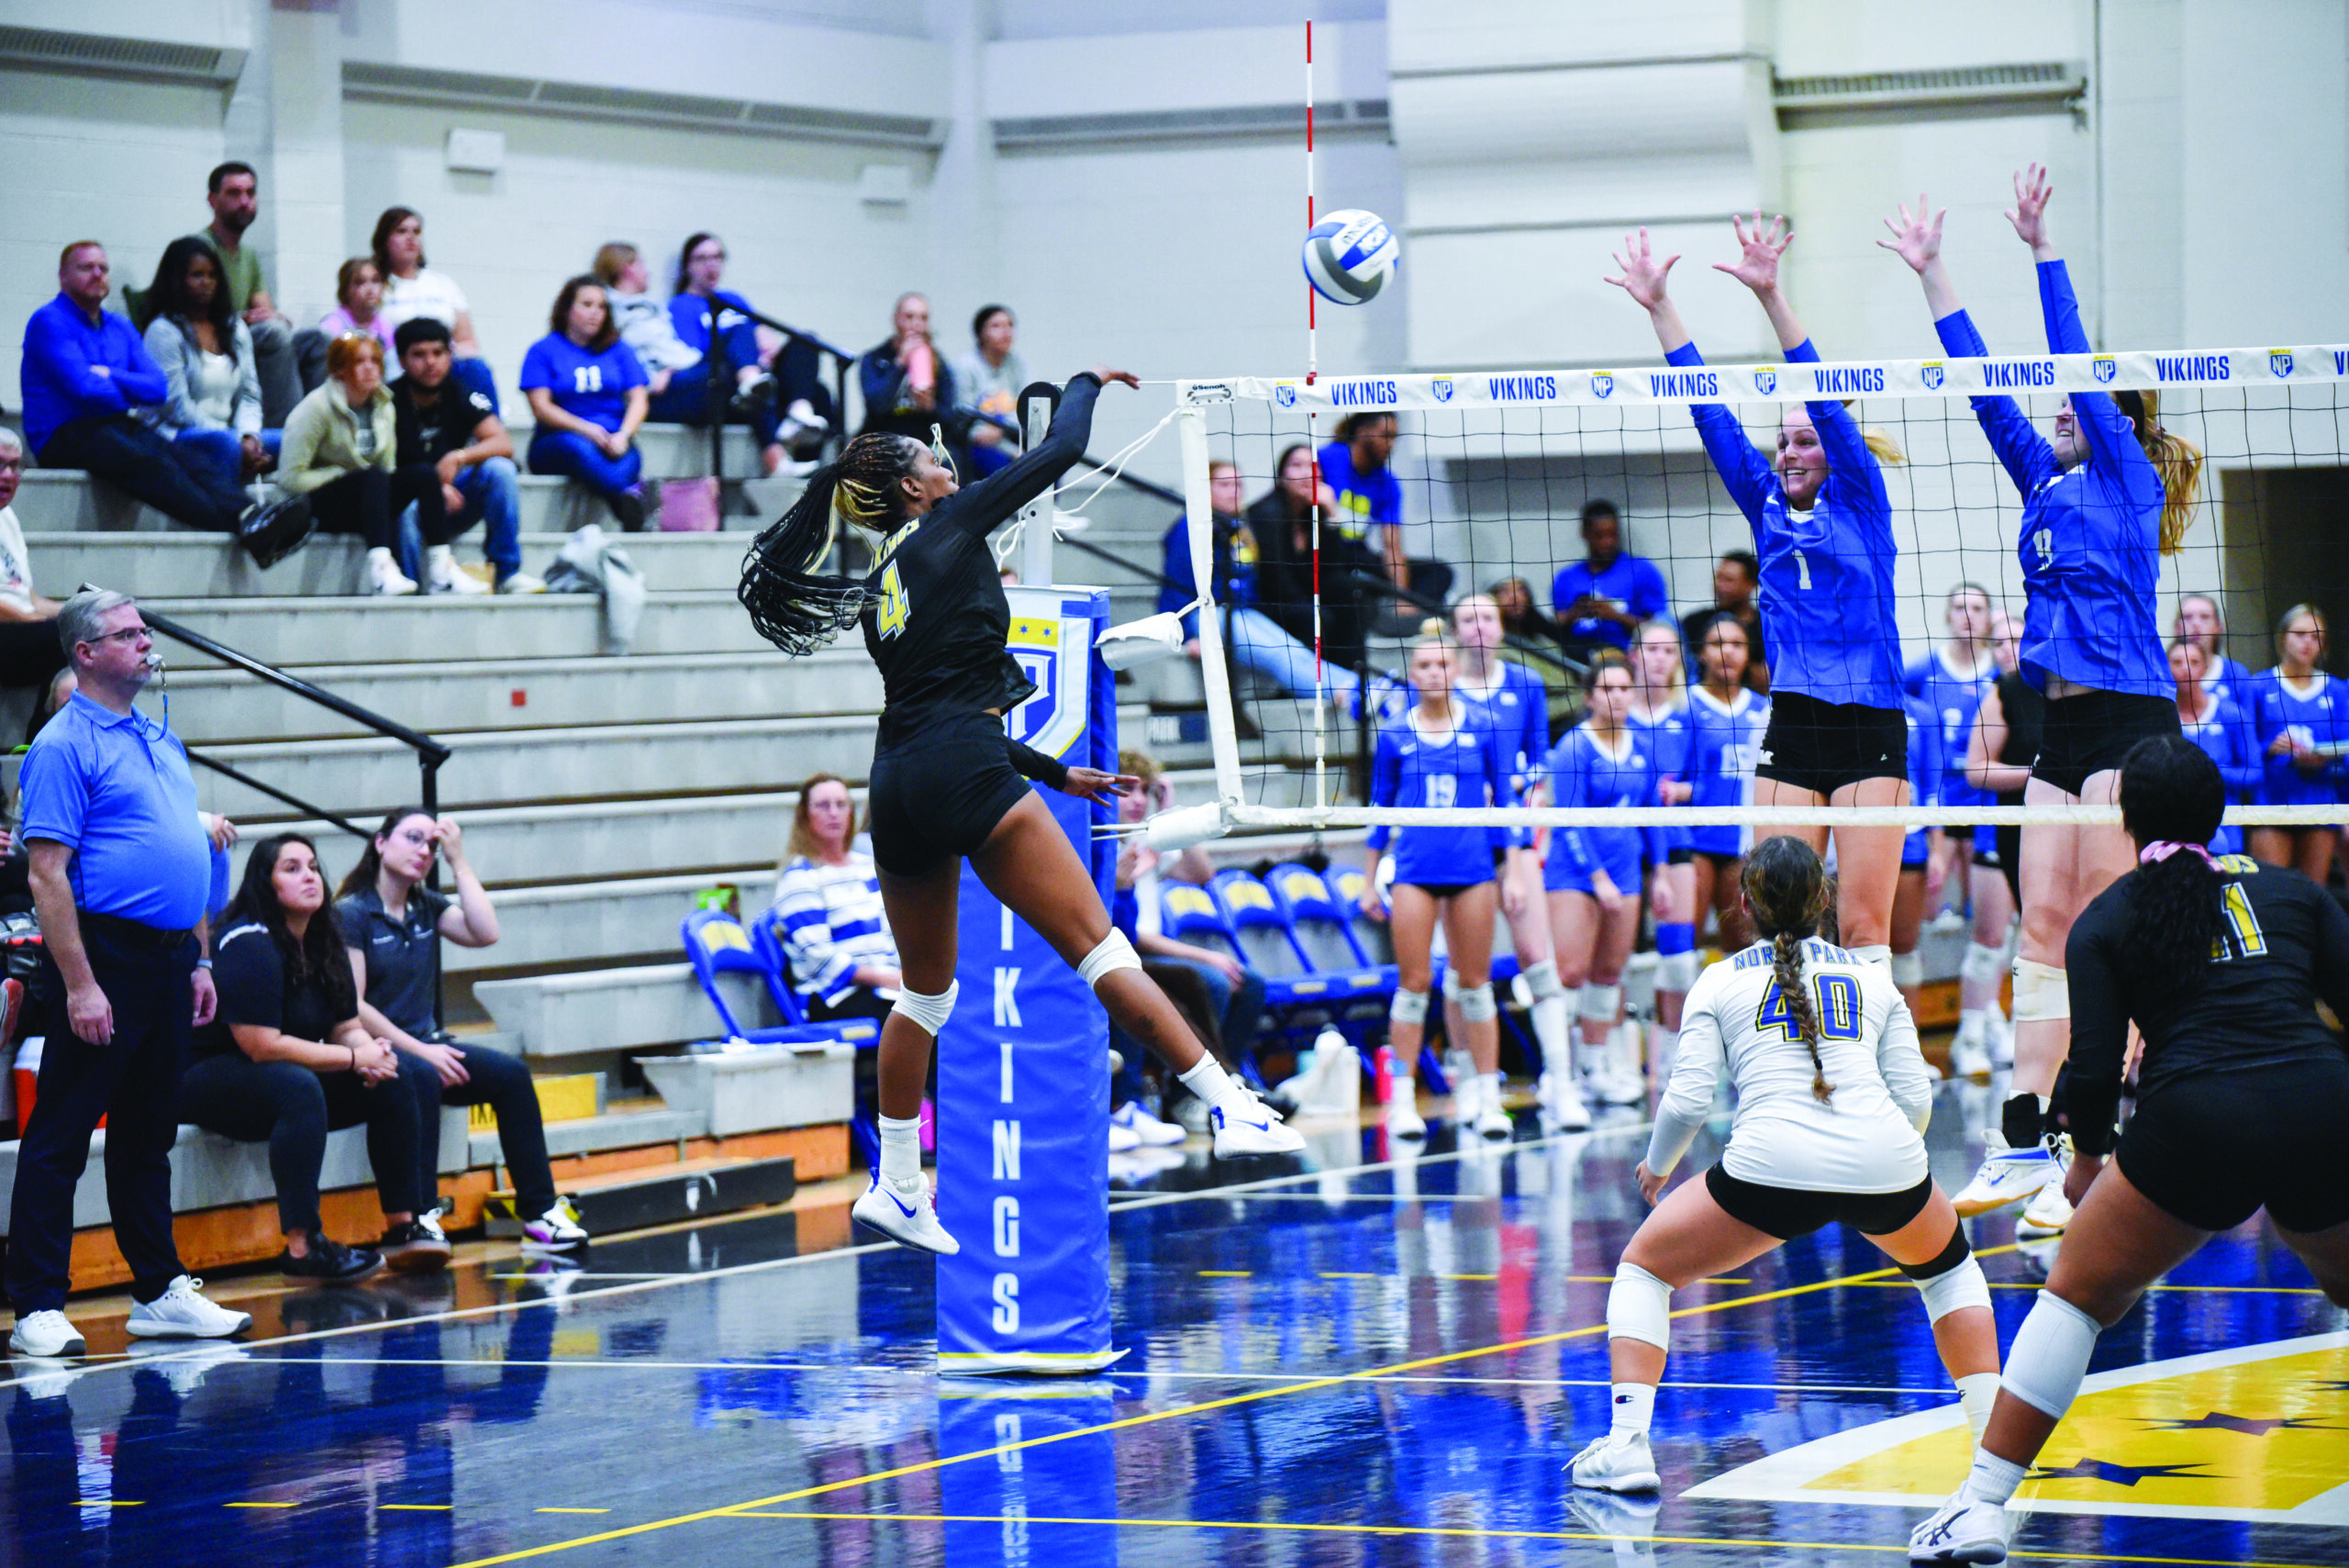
<point>121,871</point>
<point>1602,601</point>
<point>84,371</point>
<point>1358,467</point>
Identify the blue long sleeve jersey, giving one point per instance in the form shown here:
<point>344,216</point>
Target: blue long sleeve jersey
<point>2316,715</point>
<point>1465,765</point>
<point>1671,740</point>
<point>2226,736</point>
<point>1519,710</point>
<point>1724,742</point>
<point>1828,610</point>
<point>1950,698</point>
<point>2091,534</point>
<point>1582,772</point>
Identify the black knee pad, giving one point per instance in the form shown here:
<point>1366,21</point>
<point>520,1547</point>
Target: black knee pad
<point>1948,1258</point>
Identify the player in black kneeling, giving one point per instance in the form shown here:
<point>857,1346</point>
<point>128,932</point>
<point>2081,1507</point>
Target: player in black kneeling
<point>948,782</point>
<point>2242,1097</point>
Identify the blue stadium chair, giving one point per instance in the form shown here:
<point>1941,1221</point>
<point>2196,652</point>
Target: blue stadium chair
<point>1189,913</point>
<point>1257,924</point>
<point>716,944</point>
<point>1322,925</point>
<point>766,939</point>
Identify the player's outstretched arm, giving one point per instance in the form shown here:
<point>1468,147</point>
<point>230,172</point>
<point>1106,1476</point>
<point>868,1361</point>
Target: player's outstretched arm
<point>1757,267</point>
<point>1642,277</point>
<point>1917,239</point>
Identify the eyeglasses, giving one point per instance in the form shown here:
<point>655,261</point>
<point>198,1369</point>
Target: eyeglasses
<point>128,635</point>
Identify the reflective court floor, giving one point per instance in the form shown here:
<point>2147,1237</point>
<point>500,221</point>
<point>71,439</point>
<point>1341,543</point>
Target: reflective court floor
<point>1355,1362</point>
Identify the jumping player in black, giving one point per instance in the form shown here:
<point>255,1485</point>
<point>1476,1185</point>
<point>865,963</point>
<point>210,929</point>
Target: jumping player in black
<point>2242,1095</point>
<point>947,782</point>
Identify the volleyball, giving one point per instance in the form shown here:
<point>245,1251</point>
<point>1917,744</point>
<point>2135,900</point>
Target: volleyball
<point>1350,255</point>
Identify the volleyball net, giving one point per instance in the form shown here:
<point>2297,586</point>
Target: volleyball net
<point>1495,472</point>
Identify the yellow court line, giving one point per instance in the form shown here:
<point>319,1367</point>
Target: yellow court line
<point>1203,1406</point>
<point>2213,1289</point>
<point>1227,1274</point>
<point>1298,1528</point>
<point>414,1507</point>
<point>260,1505</point>
<point>105,1503</point>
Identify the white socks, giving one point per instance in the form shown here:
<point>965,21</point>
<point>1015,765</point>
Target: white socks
<point>1489,1088</point>
<point>1978,1392</point>
<point>1213,1084</point>
<point>1992,1480</point>
<point>1634,1409</point>
<point>901,1152</point>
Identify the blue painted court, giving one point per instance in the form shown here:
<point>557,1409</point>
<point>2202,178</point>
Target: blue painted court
<point>1363,1363</point>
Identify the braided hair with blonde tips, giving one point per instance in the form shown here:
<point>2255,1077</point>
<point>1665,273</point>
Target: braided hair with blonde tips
<point>1787,890</point>
<point>799,610</point>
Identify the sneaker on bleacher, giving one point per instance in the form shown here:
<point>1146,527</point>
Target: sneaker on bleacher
<point>521,582</point>
<point>1148,1132</point>
<point>385,577</point>
<point>443,575</point>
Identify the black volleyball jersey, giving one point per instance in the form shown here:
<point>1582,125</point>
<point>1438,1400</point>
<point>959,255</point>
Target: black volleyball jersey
<point>935,618</point>
<point>2285,943</point>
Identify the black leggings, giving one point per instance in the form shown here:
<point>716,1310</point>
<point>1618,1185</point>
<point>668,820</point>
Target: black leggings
<point>292,1109</point>
<point>368,502</point>
<point>504,1085</point>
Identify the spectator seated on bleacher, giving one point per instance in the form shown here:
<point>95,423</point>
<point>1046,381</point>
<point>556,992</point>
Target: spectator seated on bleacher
<point>211,405</point>
<point>287,1061</point>
<point>1735,580</point>
<point>587,390</point>
<point>1602,600</point>
<point>458,435</point>
<point>827,911</point>
<point>778,389</point>
<point>85,373</point>
<point>1232,992</point>
<point>30,654</point>
<point>392,925</point>
<point>908,386</point>
<point>341,451</point>
<point>234,192</point>
<point>359,305</point>
<point>1253,640</point>
<point>644,322</point>
<point>988,381</point>
<point>411,289</point>
<point>1281,520</point>
<point>1358,467</point>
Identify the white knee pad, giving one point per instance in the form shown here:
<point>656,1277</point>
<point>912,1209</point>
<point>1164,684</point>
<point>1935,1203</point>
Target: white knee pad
<point>1959,1287</point>
<point>1874,952</point>
<point>1675,972</point>
<point>1477,1004</point>
<point>1114,953</point>
<point>1408,1008</point>
<point>1908,968</point>
<point>1639,1307</point>
<point>2042,992</point>
<point>2050,1355</point>
<point>1600,1002</point>
<point>1542,979</point>
<point>929,1012</point>
<point>1980,965</point>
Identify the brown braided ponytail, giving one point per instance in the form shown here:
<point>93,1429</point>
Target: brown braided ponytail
<point>800,611</point>
<point>1787,889</point>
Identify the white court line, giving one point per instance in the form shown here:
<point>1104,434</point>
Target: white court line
<point>105,1364</point>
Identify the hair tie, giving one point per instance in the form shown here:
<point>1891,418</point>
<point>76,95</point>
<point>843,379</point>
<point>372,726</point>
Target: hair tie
<point>2161,849</point>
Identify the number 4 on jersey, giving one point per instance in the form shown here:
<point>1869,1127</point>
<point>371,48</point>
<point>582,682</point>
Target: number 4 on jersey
<point>890,618</point>
<point>1837,997</point>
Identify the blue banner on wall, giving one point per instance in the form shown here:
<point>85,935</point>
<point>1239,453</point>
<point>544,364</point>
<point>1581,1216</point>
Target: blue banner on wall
<point>1023,1069</point>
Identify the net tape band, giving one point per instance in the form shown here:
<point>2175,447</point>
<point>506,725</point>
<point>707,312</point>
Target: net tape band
<point>1241,814</point>
<point>1665,384</point>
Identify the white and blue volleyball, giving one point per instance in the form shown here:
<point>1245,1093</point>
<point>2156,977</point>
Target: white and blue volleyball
<point>1350,255</point>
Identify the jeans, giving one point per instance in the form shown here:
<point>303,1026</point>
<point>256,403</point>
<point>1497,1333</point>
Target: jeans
<point>293,1107</point>
<point>29,652</point>
<point>133,1082</point>
<point>574,456</point>
<point>492,489</point>
<point>1236,1010</point>
<point>151,468</point>
<point>1259,644</point>
<point>224,450</point>
<point>368,502</point>
<point>686,401</point>
<point>504,1085</point>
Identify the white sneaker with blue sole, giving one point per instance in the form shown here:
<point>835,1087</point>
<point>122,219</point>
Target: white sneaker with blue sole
<point>1248,1126</point>
<point>905,1217</point>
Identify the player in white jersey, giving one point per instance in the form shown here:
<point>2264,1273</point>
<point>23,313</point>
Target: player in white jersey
<point>1833,1100</point>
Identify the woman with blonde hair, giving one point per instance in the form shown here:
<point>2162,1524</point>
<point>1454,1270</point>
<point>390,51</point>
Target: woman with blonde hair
<point>2105,497</point>
<point>1440,752</point>
<point>827,910</point>
<point>2301,717</point>
<point>1660,712</point>
<point>949,784</point>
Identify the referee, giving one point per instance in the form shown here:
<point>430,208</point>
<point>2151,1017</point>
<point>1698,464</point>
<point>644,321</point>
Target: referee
<point>120,870</point>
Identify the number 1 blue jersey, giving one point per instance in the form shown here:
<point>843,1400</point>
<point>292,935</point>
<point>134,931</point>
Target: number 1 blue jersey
<point>1725,740</point>
<point>1462,766</point>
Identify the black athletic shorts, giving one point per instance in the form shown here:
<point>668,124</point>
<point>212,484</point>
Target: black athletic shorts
<point>2090,732</point>
<point>1723,865</point>
<point>2216,1148</point>
<point>940,793</point>
<point>1442,889</point>
<point>1822,747</point>
<point>1789,1212</point>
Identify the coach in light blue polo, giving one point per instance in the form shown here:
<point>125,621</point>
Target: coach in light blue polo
<point>121,869</point>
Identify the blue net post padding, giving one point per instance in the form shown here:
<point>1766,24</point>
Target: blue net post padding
<point>1023,1075</point>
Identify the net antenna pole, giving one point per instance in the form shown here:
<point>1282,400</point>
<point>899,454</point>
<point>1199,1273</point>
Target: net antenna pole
<point>1223,737</point>
<point>1313,446</point>
<point>1036,518</point>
